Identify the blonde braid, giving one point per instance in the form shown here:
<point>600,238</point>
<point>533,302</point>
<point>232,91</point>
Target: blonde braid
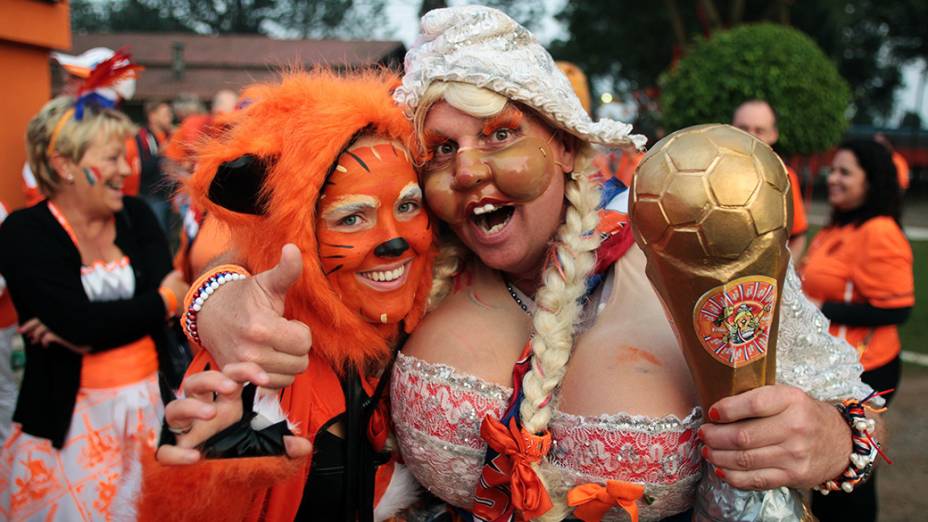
<point>448,263</point>
<point>558,305</point>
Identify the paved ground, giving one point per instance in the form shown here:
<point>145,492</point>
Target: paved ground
<point>903,486</point>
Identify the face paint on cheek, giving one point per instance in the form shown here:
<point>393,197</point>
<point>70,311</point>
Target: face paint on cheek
<point>92,174</point>
<point>395,305</point>
<point>377,283</point>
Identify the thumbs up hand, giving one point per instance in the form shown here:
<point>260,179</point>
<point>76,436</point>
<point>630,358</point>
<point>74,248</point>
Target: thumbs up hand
<point>243,322</point>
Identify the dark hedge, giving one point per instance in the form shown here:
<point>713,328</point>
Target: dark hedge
<point>760,61</point>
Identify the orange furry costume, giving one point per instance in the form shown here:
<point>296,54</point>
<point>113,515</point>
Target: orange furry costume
<point>262,178</point>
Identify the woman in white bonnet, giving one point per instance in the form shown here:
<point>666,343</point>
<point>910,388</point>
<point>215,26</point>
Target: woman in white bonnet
<point>534,267</point>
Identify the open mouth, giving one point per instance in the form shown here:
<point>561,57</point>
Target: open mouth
<point>384,276</point>
<point>115,185</point>
<point>492,217</point>
<point>386,279</point>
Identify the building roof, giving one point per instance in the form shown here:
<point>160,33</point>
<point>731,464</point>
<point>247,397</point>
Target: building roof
<point>203,64</point>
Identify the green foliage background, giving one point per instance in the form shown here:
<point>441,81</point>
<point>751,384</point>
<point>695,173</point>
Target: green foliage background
<point>760,61</point>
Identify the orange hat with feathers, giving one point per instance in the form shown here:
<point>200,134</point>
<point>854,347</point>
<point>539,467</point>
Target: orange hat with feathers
<point>263,175</point>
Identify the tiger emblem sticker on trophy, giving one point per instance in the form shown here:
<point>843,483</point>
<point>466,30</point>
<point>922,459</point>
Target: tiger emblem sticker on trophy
<point>733,320</point>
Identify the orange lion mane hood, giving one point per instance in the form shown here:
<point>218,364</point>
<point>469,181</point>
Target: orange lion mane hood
<point>263,175</point>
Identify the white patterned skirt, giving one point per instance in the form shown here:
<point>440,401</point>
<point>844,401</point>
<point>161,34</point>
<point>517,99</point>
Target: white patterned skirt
<point>97,473</point>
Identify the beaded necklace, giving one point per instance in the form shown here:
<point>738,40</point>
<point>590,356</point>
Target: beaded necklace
<point>516,298</point>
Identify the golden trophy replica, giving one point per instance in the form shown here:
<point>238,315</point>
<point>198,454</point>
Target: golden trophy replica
<point>710,208</point>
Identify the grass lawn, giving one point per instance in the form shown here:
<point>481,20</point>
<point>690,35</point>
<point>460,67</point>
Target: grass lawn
<point>914,333</point>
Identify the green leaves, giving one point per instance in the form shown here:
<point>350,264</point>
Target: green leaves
<point>760,61</point>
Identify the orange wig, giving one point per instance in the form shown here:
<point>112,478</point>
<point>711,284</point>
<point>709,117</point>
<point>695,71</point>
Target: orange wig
<point>263,175</point>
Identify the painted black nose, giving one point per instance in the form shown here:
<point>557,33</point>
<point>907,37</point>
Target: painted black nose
<point>393,248</point>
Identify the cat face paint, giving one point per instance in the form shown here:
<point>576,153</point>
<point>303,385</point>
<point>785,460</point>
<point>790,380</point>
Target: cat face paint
<point>373,230</point>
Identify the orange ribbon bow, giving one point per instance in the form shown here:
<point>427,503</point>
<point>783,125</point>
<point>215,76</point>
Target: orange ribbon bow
<point>378,429</point>
<point>593,500</point>
<point>521,449</point>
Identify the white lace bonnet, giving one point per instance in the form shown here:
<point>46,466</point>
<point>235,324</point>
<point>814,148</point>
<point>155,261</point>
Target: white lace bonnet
<point>483,46</point>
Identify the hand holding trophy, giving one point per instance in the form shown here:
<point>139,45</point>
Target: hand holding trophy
<point>710,209</point>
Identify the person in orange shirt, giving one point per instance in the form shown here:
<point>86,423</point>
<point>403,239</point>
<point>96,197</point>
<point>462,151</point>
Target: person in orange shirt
<point>758,118</point>
<point>860,269</point>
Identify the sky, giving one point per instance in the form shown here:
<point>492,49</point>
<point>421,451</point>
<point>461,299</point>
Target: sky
<point>906,97</point>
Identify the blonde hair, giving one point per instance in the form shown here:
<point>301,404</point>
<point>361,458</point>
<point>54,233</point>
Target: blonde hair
<point>72,137</point>
<point>558,306</point>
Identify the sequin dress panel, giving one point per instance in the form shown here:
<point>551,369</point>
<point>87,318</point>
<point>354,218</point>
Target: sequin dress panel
<point>437,412</point>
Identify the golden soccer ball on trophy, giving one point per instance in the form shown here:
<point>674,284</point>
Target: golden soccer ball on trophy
<point>706,189</point>
<point>710,209</point>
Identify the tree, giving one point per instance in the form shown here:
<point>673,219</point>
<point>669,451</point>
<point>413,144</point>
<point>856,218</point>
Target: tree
<point>760,61</point>
<point>428,5</point>
<point>287,18</point>
<point>632,46</point>
<point>907,21</point>
<point>855,35</point>
<point>121,15</point>
<point>627,47</point>
<point>911,120</point>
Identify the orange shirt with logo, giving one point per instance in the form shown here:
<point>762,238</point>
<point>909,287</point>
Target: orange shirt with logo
<point>868,264</point>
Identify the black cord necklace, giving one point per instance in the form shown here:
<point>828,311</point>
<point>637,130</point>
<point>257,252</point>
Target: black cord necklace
<point>516,298</point>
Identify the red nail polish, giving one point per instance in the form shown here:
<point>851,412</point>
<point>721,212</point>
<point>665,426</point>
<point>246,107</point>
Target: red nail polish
<point>700,434</point>
<point>719,473</point>
<point>705,452</point>
<point>714,414</point>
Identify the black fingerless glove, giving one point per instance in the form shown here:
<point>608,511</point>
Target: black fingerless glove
<point>241,440</point>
